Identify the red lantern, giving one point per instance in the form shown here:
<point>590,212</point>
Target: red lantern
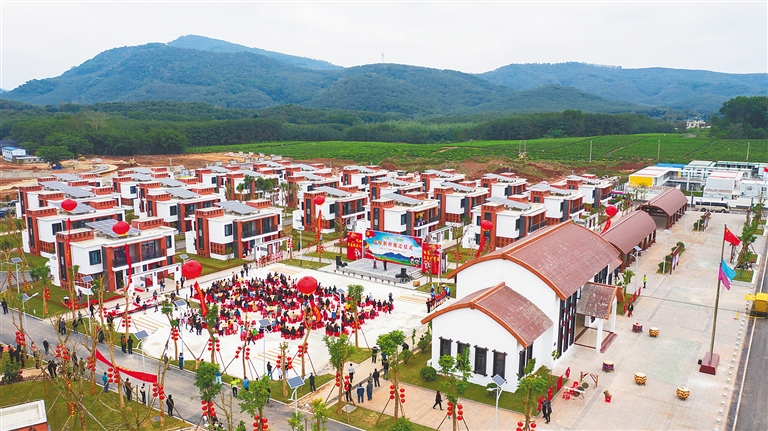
<point>520,424</point>
<point>611,210</point>
<point>68,205</point>
<point>486,225</point>
<point>319,200</point>
<point>191,269</point>
<point>121,228</point>
<point>460,418</point>
<point>307,285</point>
<point>460,406</point>
<point>533,425</point>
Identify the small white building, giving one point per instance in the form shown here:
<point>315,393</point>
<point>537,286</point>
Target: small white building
<point>522,302</point>
<point>10,153</point>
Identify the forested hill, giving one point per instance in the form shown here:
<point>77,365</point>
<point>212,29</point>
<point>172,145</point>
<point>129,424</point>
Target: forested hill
<point>698,91</point>
<point>215,45</point>
<point>248,80</point>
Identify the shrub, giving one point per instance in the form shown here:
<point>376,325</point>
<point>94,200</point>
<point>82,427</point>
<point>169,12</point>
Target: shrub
<point>406,356</point>
<point>402,424</point>
<point>429,374</point>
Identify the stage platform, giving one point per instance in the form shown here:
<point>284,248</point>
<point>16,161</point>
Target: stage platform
<point>364,268</point>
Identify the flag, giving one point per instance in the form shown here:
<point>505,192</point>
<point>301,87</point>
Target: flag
<point>129,285</point>
<point>726,274</point>
<point>203,308</point>
<point>730,237</point>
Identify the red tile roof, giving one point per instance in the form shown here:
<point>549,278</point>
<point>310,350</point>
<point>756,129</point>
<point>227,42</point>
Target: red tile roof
<point>596,300</point>
<point>670,201</point>
<point>630,231</point>
<point>564,256</point>
<point>519,316</point>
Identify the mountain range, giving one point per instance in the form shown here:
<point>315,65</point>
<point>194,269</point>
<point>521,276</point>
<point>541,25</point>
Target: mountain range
<point>199,69</point>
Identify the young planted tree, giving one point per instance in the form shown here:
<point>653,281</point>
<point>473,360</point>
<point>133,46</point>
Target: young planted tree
<point>166,308</point>
<point>319,415</point>
<point>240,187</point>
<point>283,366</point>
<point>254,399</point>
<point>354,296</point>
<point>42,275</point>
<point>455,372</point>
<point>389,344</point>
<point>211,318</point>
<point>529,385</point>
<point>209,387</point>
<point>248,181</point>
<point>340,350</point>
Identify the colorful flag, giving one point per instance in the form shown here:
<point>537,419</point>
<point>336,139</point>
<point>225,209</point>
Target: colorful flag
<point>726,274</point>
<point>730,237</point>
<point>203,308</point>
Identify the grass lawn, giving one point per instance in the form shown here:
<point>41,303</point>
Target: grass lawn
<point>103,406</point>
<point>277,385</point>
<point>213,265</point>
<point>409,373</point>
<point>742,275</point>
<point>366,419</point>
<point>34,306</point>
<point>309,264</point>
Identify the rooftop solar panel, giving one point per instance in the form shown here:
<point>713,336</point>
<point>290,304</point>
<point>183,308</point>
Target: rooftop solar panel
<point>67,177</point>
<point>333,191</point>
<point>251,173</point>
<point>402,199</point>
<point>458,187</point>
<point>141,177</point>
<point>313,177</point>
<point>75,192</point>
<point>395,181</point>
<point>238,207</point>
<point>170,182</point>
<point>142,170</point>
<point>509,203</point>
<point>105,227</point>
<point>182,193</point>
<point>81,208</point>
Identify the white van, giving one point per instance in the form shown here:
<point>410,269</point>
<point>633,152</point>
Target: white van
<point>713,205</point>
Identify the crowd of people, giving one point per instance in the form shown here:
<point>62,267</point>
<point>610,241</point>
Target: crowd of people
<point>243,301</point>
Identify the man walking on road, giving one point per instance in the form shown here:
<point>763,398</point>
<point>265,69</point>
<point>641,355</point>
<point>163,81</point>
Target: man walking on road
<point>170,403</point>
<point>128,389</point>
<point>105,381</point>
<point>546,409</point>
<point>312,382</point>
<point>385,365</point>
<point>46,346</point>
<point>5,306</point>
<point>438,400</point>
<point>123,343</point>
<point>181,361</point>
<point>130,345</point>
<point>351,372</point>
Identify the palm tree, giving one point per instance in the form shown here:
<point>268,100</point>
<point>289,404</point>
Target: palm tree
<point>240,187</point>
<point>249,181</point>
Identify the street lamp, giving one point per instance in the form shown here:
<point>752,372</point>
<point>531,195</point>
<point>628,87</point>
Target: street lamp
<point>295,383</point>
<point>141,336</point>
<point>637,261</point>
<point>265,324</point>
<point>301,245</point>
<point>499,381</point>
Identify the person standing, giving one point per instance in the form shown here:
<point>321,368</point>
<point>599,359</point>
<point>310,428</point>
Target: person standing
<point>130,345</point>
<point>374,354</point>
<point>123,343</point>
<point>181,360</point>
<point>645,280</point>
<point>348,392</point>
<point>46,346</point>
<point>438,400</point>
<point>105,381</point>
<point>143,393</point>
<point>546,409</point>
<point>312,382</point>
<point>52,369</point>
<point>369,387</point>
<point>218,376</point>
<point>169,403</point>
<point>385,366</point>
<point>128,389</point>
<point>234,383</point>
<point>376,377</point>
<point>360,393</point>
<point>5,306</point>
<point>351,372</point>
<point>246,383</point>
<point>630,308</point>
<point>269,370</point>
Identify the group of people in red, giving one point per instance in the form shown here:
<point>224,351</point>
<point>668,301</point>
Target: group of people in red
<point>277,298</point>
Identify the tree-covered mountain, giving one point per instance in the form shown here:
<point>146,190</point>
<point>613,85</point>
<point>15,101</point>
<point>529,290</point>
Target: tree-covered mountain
<point>699,91</point>
<point>215,45</point>
<point>248,80</point>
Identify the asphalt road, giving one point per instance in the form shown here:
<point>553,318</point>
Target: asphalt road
<point>750,413</point>
<point>178,383</point>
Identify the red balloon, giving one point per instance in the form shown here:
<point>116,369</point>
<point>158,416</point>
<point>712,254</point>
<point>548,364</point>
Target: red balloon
<point>486,225</point>
<point>611,210</point>
<point>68,205</point>
<point>121,228</point>
<point>307,285</point>
<point>191,269</point>
<point>319,200</point>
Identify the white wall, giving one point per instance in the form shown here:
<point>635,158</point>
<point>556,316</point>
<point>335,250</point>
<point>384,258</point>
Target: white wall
<point>505,226</point>
<point>392,220</point>
<point>164,211</point>
<point>80,257</point>
<point>553,207</point>
<point>216,231</point>
<point>45,229</point>
<point>189,241</point>
<point>453,203</point>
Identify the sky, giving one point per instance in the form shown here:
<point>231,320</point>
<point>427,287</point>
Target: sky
<point>43,39</point>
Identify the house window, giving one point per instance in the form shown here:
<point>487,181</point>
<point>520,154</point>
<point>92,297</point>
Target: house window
<point>525,357</point>
<point>481,356</point>
<point>460,349</point>
<point>499,363</point>
<point>227,230</point>
<point>402,219</point>
<point>168,241</point>
<point>56,227</point>
<point>174,210</point>
<point>445,347</point>
<point>94,257</point>
<point>133,190</point>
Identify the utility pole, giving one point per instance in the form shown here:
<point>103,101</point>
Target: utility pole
<point>658,151</point>
<point>747,151</point>
<point>590,152</point>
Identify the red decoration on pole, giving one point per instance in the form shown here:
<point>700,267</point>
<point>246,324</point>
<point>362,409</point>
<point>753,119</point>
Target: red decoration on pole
<point>68,205</point>
<point>485,225</point>
<point>191,269</point>
<point>319,200</point>
<point>611,210</point>
<point>307,285</point>
<point>121,228</point>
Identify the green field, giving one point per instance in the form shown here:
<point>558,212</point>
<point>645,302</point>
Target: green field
<point>672,148</point>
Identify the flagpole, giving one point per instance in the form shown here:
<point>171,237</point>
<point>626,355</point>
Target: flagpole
<point>709,364</point>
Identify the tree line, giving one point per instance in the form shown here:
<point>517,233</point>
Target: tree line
<point>742,118</point>
<point>135,129</point>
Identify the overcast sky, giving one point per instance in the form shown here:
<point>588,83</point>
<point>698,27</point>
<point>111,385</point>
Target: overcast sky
<point>44,39</point>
